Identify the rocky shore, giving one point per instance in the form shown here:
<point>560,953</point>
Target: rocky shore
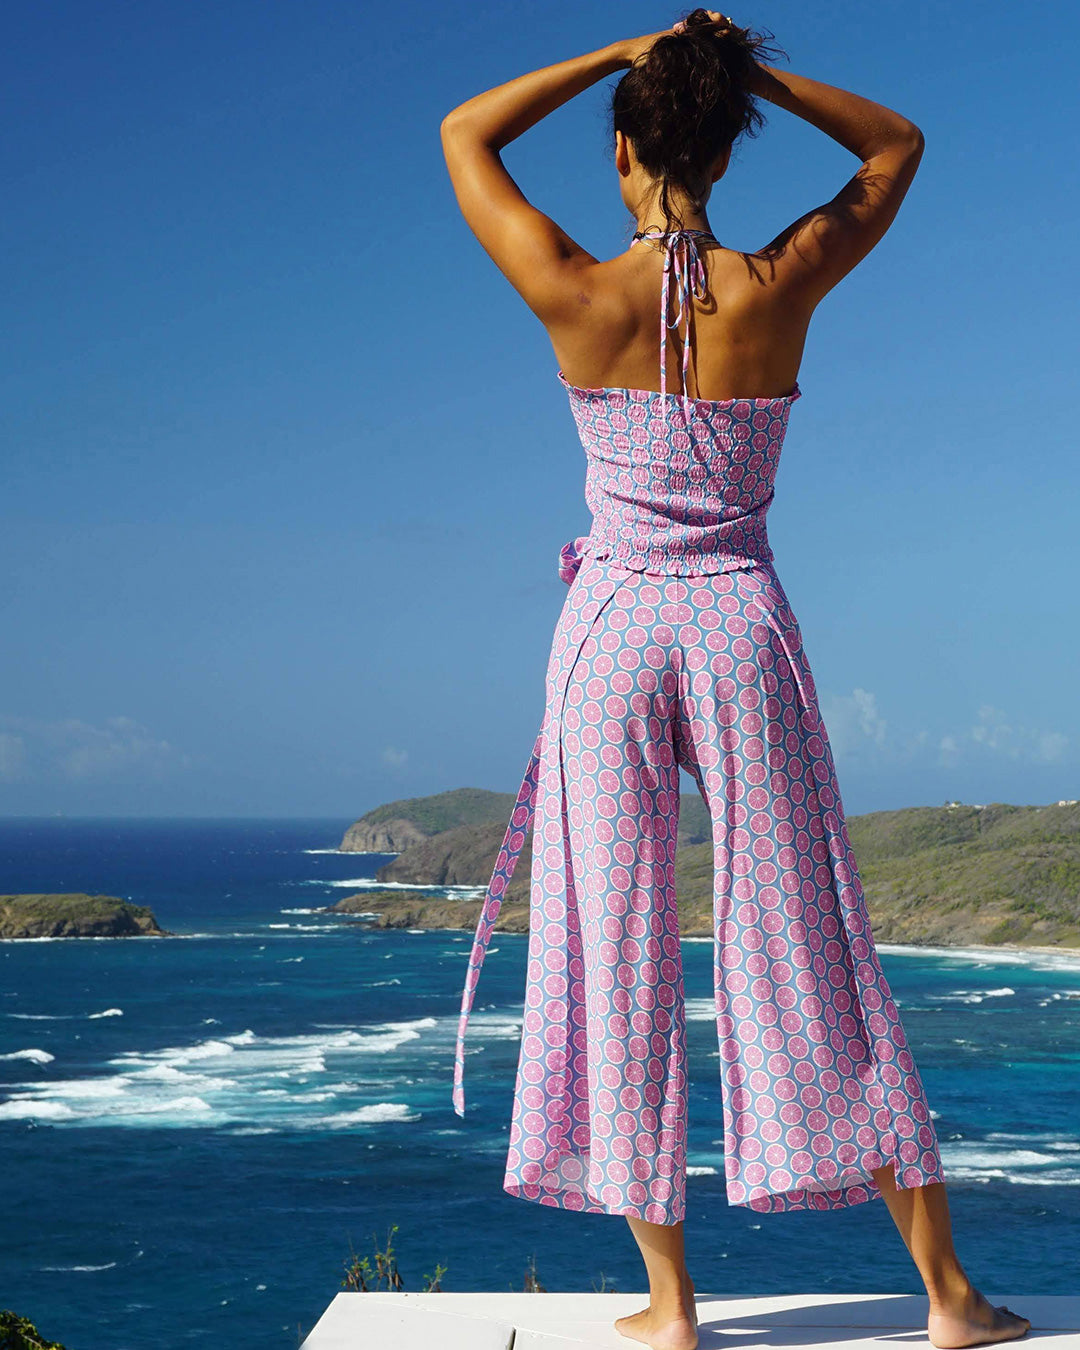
<point>75,915</point>
<point>391,909</point>
<point>397,826</point>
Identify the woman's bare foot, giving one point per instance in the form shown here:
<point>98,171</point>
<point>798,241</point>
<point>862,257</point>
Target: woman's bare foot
<point>667,1329</point>
<point>974,1322</point>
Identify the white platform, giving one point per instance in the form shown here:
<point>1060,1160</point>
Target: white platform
<point>565,1321</point>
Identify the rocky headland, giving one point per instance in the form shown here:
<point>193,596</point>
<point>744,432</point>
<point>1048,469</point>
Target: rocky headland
<point>72,914</point>
<point>958,874</point>
<point>391,909</point>
<point>396,826</point>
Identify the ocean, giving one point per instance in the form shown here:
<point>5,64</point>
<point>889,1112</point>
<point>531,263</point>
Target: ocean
<point>197,1133</point>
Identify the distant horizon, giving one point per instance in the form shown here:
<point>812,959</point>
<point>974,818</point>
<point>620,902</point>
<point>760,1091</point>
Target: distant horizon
<point>351,818</point>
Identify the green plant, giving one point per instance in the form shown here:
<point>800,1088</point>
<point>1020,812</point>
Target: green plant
<point>433,1283</point>
<point>532,1280</point>
<point>370,1274</point>
<point>362,1277</point>
<point>19,1333</point>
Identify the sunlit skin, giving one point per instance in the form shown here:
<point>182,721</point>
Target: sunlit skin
<point>749,338</point>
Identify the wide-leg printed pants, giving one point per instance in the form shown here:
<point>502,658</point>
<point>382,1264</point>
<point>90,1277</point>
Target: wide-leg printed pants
<point>649,672</point>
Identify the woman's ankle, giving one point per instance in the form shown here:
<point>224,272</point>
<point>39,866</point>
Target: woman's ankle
<point>949,1289</point>
<point>672,1302</point>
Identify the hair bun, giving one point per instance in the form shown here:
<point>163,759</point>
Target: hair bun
<point>687,100</point>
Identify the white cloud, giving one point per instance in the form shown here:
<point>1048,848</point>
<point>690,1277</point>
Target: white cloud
<point>949,749</point>
<point>993,732</point>
<point>856,728</point>
<point>853,721</point>
<point>394,756</point>
<point>70,748</point>
<point>1050,746</point>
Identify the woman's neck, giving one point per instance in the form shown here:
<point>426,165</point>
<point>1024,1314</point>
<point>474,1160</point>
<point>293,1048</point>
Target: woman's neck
<point>691,222</point>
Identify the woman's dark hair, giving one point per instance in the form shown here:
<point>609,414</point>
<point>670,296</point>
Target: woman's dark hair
<point>687,99</point>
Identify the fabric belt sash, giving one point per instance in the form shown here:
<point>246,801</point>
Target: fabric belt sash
<point>517,831</point>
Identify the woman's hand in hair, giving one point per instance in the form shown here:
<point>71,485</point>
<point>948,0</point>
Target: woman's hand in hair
<point>632,48</point>
<point>722,21</point>
<point>629,49</point>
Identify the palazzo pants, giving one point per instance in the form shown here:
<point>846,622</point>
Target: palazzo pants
<point>648,673</point>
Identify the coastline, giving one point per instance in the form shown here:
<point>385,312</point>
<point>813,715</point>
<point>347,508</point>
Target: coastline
<point>1003,953</point>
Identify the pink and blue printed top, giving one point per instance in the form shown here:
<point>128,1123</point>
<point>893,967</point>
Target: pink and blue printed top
<point>676,484</point>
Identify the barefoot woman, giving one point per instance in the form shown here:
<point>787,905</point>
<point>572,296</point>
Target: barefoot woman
<point>677,648</point>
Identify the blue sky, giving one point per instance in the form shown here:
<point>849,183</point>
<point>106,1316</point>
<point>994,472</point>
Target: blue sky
<point>286,465</point>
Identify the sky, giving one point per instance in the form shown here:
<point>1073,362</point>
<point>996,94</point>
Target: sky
<point>286,467</point>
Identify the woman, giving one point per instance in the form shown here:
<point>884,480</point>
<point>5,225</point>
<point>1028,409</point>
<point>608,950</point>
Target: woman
<point>677,647</point>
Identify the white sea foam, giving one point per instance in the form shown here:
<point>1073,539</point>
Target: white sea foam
<point>1045,1159</point>
<point>371,884</point>
<point>700,1010</point>
<point>328,850</point>
<point>240,1079</point>
<point>82,937</point>
<point>307,910</point>
<point>37,1056</point>
<point>701,1171</point>
<point>41,1017</point>
<point>109,1012</point>
<point>377,1114</point>
<point>495,1026</point>
<point>975,995</point>
<point>85,1088</point>
<point>21,1108</point>
<point>1041,958</point>
<point>65,1269</point>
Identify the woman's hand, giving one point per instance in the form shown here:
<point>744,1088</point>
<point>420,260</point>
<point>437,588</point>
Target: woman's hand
<point>721,20</point>
<point>631,48</point>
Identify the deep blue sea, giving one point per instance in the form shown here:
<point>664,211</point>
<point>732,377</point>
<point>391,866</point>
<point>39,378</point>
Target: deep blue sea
<point>196,1132</point>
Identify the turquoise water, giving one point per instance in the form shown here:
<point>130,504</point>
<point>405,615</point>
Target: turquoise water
<point>195,1132</point>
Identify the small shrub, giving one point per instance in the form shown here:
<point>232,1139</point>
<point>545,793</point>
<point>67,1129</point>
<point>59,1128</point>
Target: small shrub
<point>433,1283</point>
<point>363,1277</point>
<point>19,1333</point>
<point>532,1280</point>
<point>379,1272</point>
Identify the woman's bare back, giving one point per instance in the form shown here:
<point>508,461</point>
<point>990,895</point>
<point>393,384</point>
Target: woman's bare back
<point>747,335</point>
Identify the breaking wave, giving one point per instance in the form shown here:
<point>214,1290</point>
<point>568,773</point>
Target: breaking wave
<point>321,1080</point>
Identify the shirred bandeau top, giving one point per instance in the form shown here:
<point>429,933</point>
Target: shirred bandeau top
<point>676,485</point>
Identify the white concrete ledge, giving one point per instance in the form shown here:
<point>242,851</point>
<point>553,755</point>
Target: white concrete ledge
<point>565,1321</point>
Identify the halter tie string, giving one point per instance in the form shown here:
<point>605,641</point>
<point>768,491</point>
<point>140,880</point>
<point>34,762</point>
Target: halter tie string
<point>683,262</point>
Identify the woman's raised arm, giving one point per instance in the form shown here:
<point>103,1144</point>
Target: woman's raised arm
<point>822,246</point>
<point>536,255</point>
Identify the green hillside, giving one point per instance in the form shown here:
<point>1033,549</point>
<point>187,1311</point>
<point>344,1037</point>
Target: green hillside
<point>951,874</point>
<point>73,914</point>
<point>443,811</point>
